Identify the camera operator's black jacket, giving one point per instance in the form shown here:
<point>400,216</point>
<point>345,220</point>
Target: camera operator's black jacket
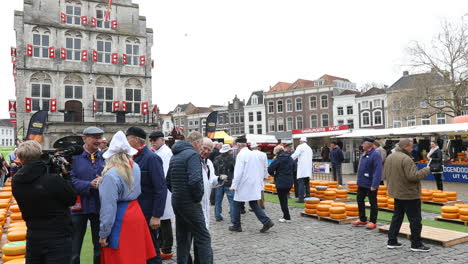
<point>44,200</point>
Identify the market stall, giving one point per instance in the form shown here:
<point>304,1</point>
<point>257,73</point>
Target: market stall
<point>222,136</point>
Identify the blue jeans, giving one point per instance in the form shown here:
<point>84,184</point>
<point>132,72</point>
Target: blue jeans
<point>259,213</point>
<point>50,251</point>
<point>336,168</point>
<point>80,224</point>
<point>190,222</point>
<point>220,191</point>
<point>304,188</point>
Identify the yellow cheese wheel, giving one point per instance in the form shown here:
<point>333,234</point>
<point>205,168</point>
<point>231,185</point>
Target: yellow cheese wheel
<point>321,187</point>
<point>463,211</point>
<point>426,193</point>
<point>17,235</point>
<point>352,207</point>
<point>426,198</point>
<point>450,209</point>
<point>15,208</point>
<point>327,202</point>
<point>338,216</point>
<point>439,195</point>
<point>341,192</point>
<point>16,216</point>
<point>451,194</point>
<point>337,210</point>
<point>323,207</point>
<point>329,197</point>
<point>329,193</point>
<point>439,200</point>
<point>311,200</point>
<point>342,196</point>
<point>450,215</point>
<point>381,199</point>
<point>382,205</point>
<point>17,228</point>
<point>459,205</point>
<point>352,213</point>
<point>323,213</point>
<point>391,206</point>
<point>390,200</point>
<point>5,195</point>
<point>451,198</point>
<point>311,205</point>
<point>22,223</point>
<point>382,187</point>
<point>14,248</point>
<point>14,259</point>
<point>382,193</point>
<point>464,217</point>
<point>336,204</point>
<point>310,211</point>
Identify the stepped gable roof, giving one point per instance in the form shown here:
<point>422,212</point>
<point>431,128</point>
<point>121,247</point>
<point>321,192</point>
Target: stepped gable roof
<point>280,86</point>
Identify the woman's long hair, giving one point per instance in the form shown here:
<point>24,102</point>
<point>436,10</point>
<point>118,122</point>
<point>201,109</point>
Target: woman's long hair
<point>121,162</point>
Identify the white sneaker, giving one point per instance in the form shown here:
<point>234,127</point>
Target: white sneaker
<point>282,220</point>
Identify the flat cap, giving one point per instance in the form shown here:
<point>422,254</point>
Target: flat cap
<point>136,131</point>
<point>156,134</point>
<point>92,131</point>
<point>368,139</point>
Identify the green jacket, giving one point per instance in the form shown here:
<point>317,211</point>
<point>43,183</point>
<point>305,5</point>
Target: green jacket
<point>402,176</point>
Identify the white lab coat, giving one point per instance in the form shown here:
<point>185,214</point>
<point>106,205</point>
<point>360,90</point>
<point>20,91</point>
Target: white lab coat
<point>304,155</point>
<point>165,153</point>
<point>249,173</point>
<point>208,184</point>
<point>263,161</point>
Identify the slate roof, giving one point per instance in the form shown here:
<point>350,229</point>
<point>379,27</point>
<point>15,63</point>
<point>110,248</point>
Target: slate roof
<point>419,79</point>
<point>259,94</point>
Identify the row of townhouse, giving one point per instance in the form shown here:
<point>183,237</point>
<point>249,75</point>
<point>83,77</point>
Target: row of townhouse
<point>327,101</point>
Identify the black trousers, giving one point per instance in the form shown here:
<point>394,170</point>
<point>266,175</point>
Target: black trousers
<point>296,188</point>
<point>372,195</point>
<point>283,199</point>
<point>165,237</point>
<point>438,179</point>
<point>50,251</point>
<point>412,209</point>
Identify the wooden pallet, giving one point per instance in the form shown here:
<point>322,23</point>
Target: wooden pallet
<point>442,204</point>
<point>441,236</point>
<point>454,221</point>
<point>352,192</point>
<point>348,220</point>
<point>270,192</point>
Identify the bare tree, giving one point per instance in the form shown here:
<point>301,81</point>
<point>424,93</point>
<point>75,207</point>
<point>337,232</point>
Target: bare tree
<point>446,56</point>
<point>369,85</point>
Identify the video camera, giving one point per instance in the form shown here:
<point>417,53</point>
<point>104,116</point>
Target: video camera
<point>58,160</point>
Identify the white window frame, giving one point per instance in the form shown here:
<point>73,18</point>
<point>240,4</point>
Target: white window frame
<point>340,110</point>
<point>259,129</point>
<point>297,122</point>
<point>312,122</point>
<point>374,116</point>
<point>340,122</point>
<point>74,53</point>
<point>351,124</point>
<point>440,102</point>
<point>41,50</point>
<point>271,107</point>
<point>424,104</point>
<point>73,16</point>
<point>289,105</point>
<point>254,100</point>
<point>397,122</point>
<point>280,124</point>
<point>271,125</point>
<point>298,100</point>
<point>100,21</point>
<point>411,120</point>
<point>106,100</point>
<point>133,57</point>
<point>43,100</point>
<point>104,54</point>
<point>365,104</point>
<point>74,90</point>
<point>251,116</point>
<point>377,105</point>
<point>369,118</point>
<point>347,109</point>
<point>251,129</point>
<point>259,116</point>
<point>322,105</point>
<point>440,119</point>
<point>279,106</point>
<point>311,107</point>
<point>289,123</point>
<point>131,103</point>
<point>322,117</point>
<point>425,118</point>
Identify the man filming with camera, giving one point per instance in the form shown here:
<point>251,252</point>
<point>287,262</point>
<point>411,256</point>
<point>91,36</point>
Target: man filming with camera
<point>86,174</point>
<point>44,199</point>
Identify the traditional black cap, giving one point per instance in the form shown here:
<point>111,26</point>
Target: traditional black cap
<point>90,131</point>
<point>241,140</point>
<point>368,139</point>
<point>156,134</point>
<point>136,131</point>
<point>334,142</point>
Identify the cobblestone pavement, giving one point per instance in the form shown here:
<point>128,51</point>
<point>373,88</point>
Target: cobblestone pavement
<point>308,240</point>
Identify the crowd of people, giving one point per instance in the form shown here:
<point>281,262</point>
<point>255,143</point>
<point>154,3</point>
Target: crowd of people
<point>130,193</point>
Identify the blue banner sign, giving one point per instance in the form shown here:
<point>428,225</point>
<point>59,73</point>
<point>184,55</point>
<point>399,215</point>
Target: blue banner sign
<point>452,173</point>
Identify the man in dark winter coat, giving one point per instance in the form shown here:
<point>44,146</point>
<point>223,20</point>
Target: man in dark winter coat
<point>153,195</point>
<point>44,200</point>
<point>224,165</point>
<point>185,181</point>
<point>336,157</point>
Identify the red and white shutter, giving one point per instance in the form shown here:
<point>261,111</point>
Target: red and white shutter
<point>53,105</point>
<point>142,60</point>
<point>84,55</point>
<point>94,106</point>
<point>115,58</point>
<point>63,53</point>
<point>63,17</point>
<point>13,52</point>
<point>114,24</point>
<point>11,106</point>
<point>84,20</point>
<point>152,64</point>
<point>28,104</point>
<point>95,55</point>
<point>51,52</point>
<point>144,108</point>
<point>115,106</point>
<point>29,50</point>
<point>124,106</point>
<point>93,22</point>
<point>124,58</point>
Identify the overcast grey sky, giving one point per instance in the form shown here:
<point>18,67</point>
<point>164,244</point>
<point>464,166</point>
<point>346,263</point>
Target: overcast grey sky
<point>206,51</point>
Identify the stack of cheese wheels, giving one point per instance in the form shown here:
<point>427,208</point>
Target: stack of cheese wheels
<point>269,187</point>
<point>439,197</point>
<point>341,194</point>
<point>451,196</point>
<point>16,232</point>
<point>273,189</point>
<point>450,212</point>
<point>320,193</point>
<point>323,209</point>
<point>382,191</point>
<point>314,183</point>
<point>382,201</point>
<point>333,184</point>
<point>352,186</point>
<point>463,213</point>
<point>390,203</point>
<point>352,210</point>
<point>329,194</point>
<point>16,261</point>
<point>14,250</point>
<point>292,189</point>
<point>310,204</point>
<point>337,212</point>
<point>426,195</point>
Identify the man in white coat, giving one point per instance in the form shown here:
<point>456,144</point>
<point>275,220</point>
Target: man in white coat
<point>165,236</point>
<point>263,162</point>
<point>247,186</point>
<point>304,156</point>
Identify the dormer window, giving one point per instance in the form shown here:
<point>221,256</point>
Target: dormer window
<point>254,100</point>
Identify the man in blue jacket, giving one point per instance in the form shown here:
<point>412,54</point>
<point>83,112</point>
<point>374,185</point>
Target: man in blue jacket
<point>185,181</point>
<point>336,158</point>
<point>368,180</point>
<point>85,174</point>
<point>153,195</point>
